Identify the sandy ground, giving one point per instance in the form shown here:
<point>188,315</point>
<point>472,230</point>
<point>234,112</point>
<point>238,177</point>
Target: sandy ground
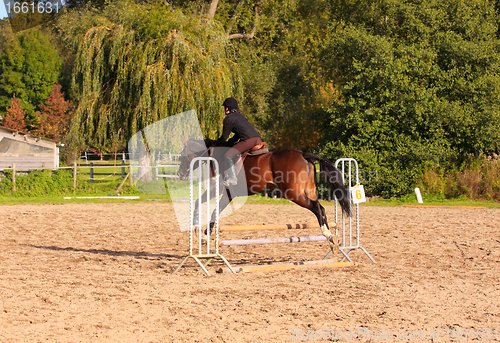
<point>102,273</point>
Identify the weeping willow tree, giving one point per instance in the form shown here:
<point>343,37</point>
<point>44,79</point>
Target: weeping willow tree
<point>137,64</point>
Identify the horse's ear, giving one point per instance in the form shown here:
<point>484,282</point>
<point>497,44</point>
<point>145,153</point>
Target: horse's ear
<point>184,142</point>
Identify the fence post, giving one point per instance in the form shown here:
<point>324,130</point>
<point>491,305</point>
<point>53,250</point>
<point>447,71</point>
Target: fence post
<point>74,175</point>
<point>123,169</point>
<point>13,177</point>
<point>130,179</point>
<point>91,172</point>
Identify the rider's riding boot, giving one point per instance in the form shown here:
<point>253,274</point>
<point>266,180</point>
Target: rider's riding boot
<point>230,173</point>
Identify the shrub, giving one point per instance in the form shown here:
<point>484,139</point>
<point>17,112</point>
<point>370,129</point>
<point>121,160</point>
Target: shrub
<point>39,183</point>
<point>478,178</point>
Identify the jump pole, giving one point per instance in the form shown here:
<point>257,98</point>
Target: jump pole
<point>347,244</point>
<point>282,267</point>
<point>299,226</point>
<point>290,266</point>
<point>272,240</point>
<point>204,246</point>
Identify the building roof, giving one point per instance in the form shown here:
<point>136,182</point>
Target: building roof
<point>17,132</point>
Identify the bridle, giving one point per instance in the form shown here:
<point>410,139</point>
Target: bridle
<point>189,155</point>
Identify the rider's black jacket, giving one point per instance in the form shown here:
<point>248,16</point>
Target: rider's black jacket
<point>237,123</point>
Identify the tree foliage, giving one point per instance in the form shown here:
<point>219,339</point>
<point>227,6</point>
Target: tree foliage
<point>137,64</point>
<point>284,87</point>
<point>14,118</point>
<point>54,115</point>
<point>419,87</point>
<point>29,67</point>
<point>400,85</point>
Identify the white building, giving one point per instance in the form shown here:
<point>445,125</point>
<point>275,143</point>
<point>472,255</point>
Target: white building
<point>26,151</point>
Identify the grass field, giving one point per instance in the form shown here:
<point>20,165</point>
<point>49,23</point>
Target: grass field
<point>107,185</point>
<point>256,199</point>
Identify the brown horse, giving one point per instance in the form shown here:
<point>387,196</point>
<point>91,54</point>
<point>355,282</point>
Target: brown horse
<point>291,171</point>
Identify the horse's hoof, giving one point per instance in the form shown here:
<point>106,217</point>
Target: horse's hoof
<point>334,243</point>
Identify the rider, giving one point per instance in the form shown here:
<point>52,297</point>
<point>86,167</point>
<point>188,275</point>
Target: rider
<point>245,137</point>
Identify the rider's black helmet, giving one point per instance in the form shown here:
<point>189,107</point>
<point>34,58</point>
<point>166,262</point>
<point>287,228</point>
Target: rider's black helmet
<point>231,103</point>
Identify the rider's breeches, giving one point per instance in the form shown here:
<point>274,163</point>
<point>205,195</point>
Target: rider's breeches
<point>242,147</point>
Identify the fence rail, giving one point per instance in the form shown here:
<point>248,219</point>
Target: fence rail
<point>92,173</point>
<point>125,156</point>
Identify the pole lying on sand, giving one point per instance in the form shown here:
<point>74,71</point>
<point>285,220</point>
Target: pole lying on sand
<point>289,266</point>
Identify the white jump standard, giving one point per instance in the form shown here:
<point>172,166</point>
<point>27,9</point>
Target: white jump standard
<point>215,230</point>
<point>347,244</point>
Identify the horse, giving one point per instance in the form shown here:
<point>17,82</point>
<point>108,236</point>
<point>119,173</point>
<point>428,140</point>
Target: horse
<point>293,172</point>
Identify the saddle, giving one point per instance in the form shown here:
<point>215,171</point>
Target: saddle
<point>259,149</point>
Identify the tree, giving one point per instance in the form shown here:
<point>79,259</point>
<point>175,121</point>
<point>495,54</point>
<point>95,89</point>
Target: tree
<point>136,64</point>
<point>272,40</point>
<point>79,4</point>
<point>14,118</point>
<point>29,67</point>
<point>418,88</point>
<point>54,115</point>
<point>241,18</point>
<point>6,34</point>
<point>292,114</point>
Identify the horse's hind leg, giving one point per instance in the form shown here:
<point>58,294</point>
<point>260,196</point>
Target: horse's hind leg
<point>325,230</point>
<point>315,207</point>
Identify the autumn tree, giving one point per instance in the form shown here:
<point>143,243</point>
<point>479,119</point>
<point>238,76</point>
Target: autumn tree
<point>54,115</point>
<point>14,118</point>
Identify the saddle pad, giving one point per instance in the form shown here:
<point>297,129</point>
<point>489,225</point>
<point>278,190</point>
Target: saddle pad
<point>258,152</point>
<point>259,146</point>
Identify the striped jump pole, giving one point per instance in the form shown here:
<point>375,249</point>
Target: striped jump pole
<point>225,228</point>
<point>272,240</point>
<point>204,250</point>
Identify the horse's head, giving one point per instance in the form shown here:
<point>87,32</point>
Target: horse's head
<point>192,149</point>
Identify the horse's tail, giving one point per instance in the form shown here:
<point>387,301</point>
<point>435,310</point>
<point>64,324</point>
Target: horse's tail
<point>335,179</point>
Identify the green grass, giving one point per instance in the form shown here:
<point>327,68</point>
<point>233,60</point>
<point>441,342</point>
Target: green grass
<point>59,199</point>
<point>107,186</point>
<point>394,202</point>
<point>433,201</point>
<point>255,199</point>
